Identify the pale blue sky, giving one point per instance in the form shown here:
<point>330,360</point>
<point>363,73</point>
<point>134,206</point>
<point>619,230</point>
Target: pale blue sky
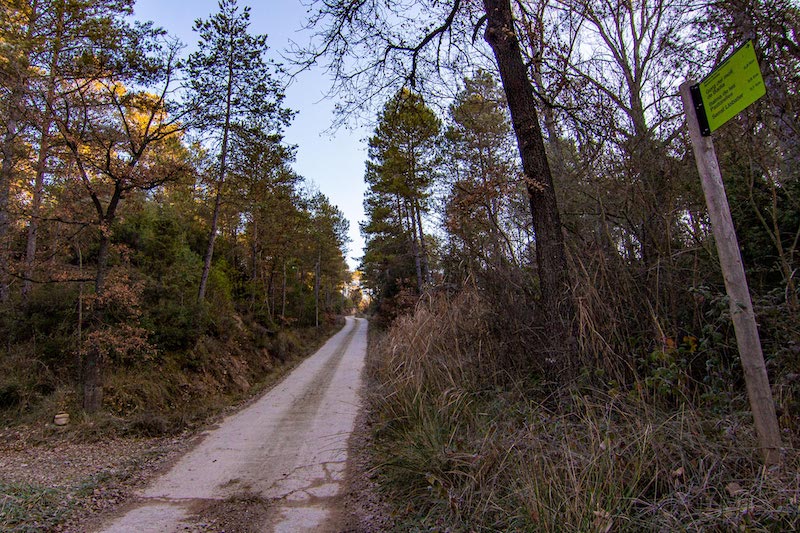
<point>334,162</point>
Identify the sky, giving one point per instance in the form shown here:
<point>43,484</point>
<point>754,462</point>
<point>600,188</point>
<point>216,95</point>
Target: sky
<point>333,162</point>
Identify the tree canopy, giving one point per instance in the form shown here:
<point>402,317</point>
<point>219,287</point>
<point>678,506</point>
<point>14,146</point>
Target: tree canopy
<point>123,164</point>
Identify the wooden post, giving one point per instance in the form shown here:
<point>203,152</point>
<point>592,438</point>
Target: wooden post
<point>744,320</point>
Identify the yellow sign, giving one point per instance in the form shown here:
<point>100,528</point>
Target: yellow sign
<point>731,87</point>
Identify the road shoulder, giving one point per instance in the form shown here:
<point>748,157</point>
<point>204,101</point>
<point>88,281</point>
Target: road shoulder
<point>363,508</point>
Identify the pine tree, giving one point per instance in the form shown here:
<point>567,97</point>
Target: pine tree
<point>400,172</point>
<point>483,171</point>
<point>17,28</point>
<point>232,88</point>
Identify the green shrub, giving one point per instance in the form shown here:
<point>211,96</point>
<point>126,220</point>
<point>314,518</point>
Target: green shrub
<point>175,326</point>
<point>10,395</point>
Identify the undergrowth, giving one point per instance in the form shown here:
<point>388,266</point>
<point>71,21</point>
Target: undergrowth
<point>166,394</point>
<point>470,441</point>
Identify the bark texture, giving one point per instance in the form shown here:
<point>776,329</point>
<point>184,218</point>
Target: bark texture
<point>550,251</point>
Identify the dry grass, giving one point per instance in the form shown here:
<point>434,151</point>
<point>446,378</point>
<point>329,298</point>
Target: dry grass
<point>470,439</point>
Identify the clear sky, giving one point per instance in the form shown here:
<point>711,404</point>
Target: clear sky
<point>333,162</point>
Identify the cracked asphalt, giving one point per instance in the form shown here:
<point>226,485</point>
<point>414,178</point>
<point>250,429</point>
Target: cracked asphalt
<point>276,465</point>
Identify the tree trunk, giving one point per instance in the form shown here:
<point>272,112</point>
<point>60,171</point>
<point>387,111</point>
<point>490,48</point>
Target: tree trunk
<point>254,266</point>
<point>426,266</point>
<point>201,293</point>
<point>41,164</point>
<point>413,236</point>
<point>92,381</point>
<point>36,205</point>
<point>283,293</point>
<point>212,237</point>
<point>93,359</point>
<point>91,400</point>
<point>6,178</point>
<point>269,297</point>
<point>316,291</point>
<point>550,253</point>
<point>102,262</point>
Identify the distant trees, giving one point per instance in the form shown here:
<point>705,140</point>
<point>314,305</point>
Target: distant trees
<point>327,236</point>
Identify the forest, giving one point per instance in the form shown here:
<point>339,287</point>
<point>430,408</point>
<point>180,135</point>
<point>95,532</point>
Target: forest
<point>156,247</point>
<point>552,345</point>
<point>559,352</point>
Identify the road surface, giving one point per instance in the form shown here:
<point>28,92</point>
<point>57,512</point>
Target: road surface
<point>274,466</point>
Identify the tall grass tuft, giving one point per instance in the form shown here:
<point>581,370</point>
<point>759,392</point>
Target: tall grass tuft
<point>470,439</point>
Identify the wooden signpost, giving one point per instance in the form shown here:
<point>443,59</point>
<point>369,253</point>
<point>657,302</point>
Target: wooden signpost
<point>725,92</point>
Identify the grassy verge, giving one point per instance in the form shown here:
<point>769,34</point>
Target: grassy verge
<point>55,498</point>
<point>469,441</point>
<point>30,508</point>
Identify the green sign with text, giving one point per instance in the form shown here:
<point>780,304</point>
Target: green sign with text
<point>729,89</point>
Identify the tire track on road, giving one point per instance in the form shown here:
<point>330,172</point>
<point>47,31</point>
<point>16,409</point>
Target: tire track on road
<point>286,453</point>
<point>314,392</point>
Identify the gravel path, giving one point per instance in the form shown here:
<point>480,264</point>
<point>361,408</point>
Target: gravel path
<point>276,465</point>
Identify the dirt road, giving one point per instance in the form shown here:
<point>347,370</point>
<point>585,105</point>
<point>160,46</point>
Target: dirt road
<point>274,466</point>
